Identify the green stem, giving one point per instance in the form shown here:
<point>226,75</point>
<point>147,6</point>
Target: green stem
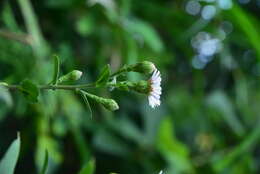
<point>53,87</point>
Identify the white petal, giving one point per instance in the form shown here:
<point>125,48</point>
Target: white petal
<point>158,102</point>
<point>152,101</point>
<point>158,73</point>
<point>156,96</point>
<point>154,74</point>
<point>156,90</point>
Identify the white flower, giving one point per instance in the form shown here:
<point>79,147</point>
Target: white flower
<point>155,89</point>
<point>161,172</point>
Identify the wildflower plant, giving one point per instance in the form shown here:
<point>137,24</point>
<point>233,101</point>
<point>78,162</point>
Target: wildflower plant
<point>106,79</point>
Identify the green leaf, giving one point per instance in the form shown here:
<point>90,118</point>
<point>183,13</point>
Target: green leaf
<point>220,102</point>
<point>174,151</point>
<point>45,164</point>
<point>30,90</point>
<point>88,168</point>
<point>104,76</point>
<point>86,101</point>
<point>5,97</point>
<point>8,162</point>
<point>147,32</point>
<point>56,70</point>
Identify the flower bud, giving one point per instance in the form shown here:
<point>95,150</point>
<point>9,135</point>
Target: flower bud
<point>141,86</point>
<point>144,67</point>
<point>71,76</point>
<point>108,103</point>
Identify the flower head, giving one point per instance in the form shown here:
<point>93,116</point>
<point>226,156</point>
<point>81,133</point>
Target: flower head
<point>155,89</point>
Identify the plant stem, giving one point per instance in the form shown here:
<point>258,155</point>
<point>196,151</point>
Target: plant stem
<point>54,87</point>
<point>68,87</point>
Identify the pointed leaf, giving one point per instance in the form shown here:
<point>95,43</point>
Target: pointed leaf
<point>45,164</point>
<point>8,162</point>
<point>30,90</point>
<point>104,76</point>
<point>56,70</point>
<point>88,168</point>
<point>86,101</point>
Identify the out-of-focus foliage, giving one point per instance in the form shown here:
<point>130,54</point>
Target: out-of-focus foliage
<point>8,162</point>
<point>207,51</point>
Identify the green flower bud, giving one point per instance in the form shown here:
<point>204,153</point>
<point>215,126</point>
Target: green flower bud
<point>108,103</point>
<point>71,76</point>
<point>144,67</point>
<point>141,86</point>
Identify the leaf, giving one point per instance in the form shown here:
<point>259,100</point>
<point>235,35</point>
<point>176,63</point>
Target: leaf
<point>56,70</point>
<point>88,168</point>
<point>175,152</point>
<point>30,90</point>
<point>107,142</point>
<point>248,24</point>
<point>219,101</point>
<point>45,164</point>
<point>250,142</point>
<point>8,162</point>
<point>147,33</point>
<point>6,97</point>
<point>104,76</point>
<point>86,101</point>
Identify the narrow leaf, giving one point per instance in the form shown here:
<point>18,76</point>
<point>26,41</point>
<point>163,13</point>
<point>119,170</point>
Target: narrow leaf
<point>45,164</point>
<point>8,162</point>
<point>86,102</point>
<point>30,90</point>
<point>104,76</point>
<point>56,70</point>
<point>88,168</point>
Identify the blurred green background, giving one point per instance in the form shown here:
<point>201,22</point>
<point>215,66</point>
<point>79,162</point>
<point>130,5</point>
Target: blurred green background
<point>208,52</point>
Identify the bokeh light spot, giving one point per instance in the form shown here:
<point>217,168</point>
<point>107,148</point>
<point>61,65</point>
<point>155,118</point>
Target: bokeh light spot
<point>208,12</point>
<point>225,4</point>
<point>193,7</point>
